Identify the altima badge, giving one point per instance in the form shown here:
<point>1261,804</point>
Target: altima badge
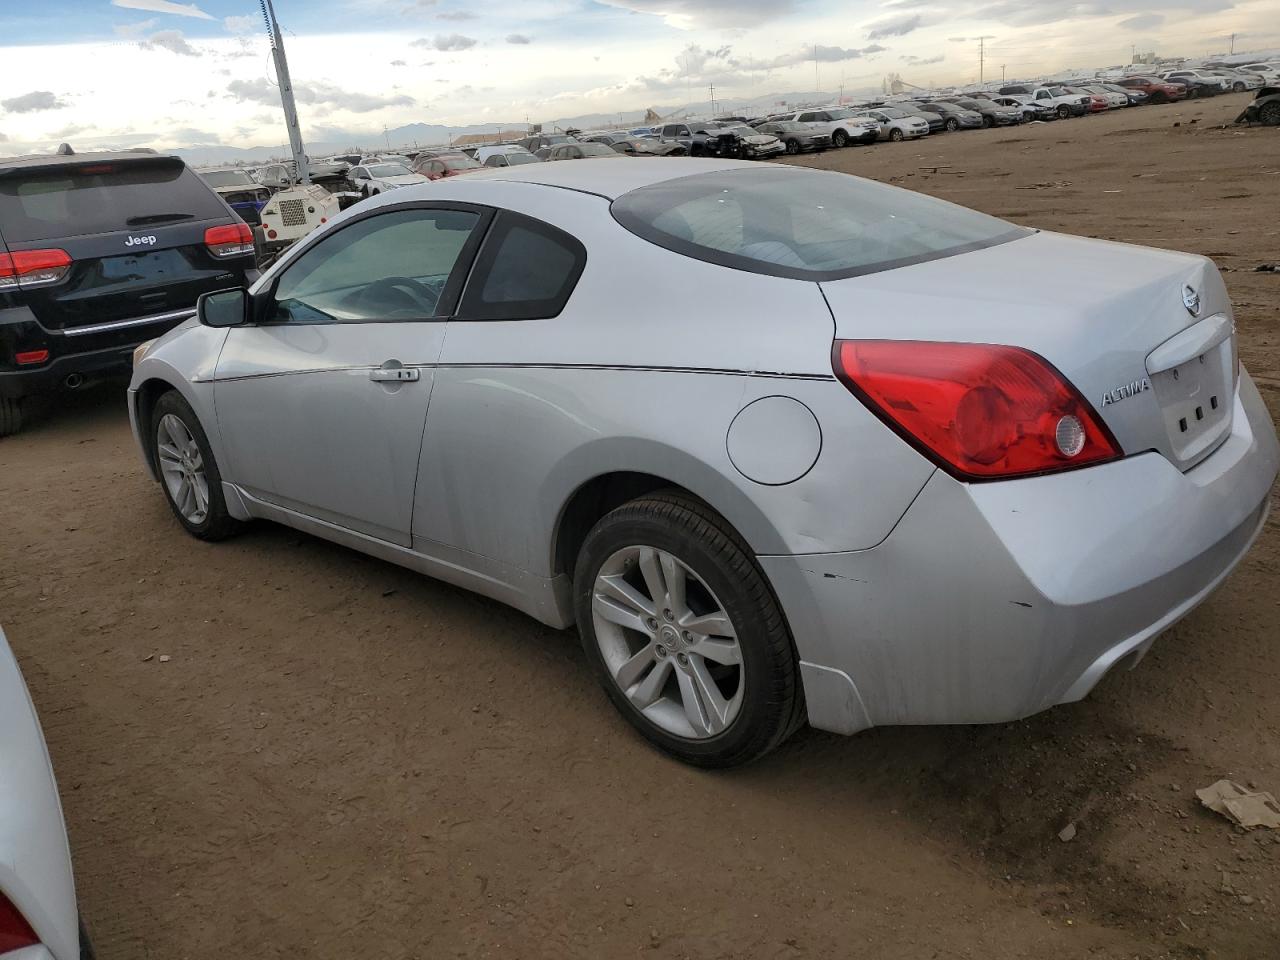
<point>1191,300</point>
<point>1126,390</point>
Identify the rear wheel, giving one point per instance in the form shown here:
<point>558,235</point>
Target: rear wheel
<point>1269,114</point>
<point>896,134</point>
<point>684,633</point>
<point>840,138</point>
<point>188,473</point>
<point>10,416</point>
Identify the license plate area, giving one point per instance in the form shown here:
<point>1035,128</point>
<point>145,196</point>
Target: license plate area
<point>1196,400</point>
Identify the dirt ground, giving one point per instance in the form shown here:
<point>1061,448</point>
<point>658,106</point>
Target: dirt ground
<point>344,759</point>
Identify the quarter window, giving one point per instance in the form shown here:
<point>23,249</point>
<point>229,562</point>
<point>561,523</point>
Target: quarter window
<point>526,270</point>
<point>392,266</point>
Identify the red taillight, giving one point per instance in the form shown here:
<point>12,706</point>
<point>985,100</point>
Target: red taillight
<point>980,411</point>
<point>31,356</point>
<point>232,240</point>
<point>15,932</point>
<point>33,268</point>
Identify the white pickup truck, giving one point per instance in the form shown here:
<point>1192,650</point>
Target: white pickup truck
<point>839,123</point>
<point>1064,104</point>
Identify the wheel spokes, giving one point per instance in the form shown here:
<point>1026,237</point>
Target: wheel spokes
<point>629,674</point>
<point>616,611</point>
<point>715,624</point>
<point>726,652</point>
<point>648,691</point>
<point>704,705</point>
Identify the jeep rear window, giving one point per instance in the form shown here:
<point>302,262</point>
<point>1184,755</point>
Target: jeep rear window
<point>803,224</point>
<point>70,201</point>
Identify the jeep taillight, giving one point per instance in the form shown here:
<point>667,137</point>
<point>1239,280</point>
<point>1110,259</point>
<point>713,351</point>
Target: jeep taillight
<point>232,240</point>
<point>980,411</point>
<point>33,268</point>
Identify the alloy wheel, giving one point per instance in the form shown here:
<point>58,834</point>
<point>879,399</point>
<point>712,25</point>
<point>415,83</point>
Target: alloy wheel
<point>667,642</point>
<point>182,468</point>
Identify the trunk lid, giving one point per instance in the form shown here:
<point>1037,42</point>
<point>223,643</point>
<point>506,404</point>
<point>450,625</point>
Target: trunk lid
<point>1116,320</point>
<point>134,229</point>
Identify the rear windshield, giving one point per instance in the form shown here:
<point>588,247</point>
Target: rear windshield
<point>805,224</point>
<point>228,178</point>
<point>101,198</point>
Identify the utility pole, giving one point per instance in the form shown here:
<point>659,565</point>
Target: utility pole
<point>817,83</point>
<point>1233,43</point>
<point>982,57</point>
<point>286,93</point>
<point>713,100</point>
<point>1002,76</point>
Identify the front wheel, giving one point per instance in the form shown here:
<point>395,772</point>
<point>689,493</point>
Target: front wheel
<point>1063,111</point>
<point>188,473</point>
<point>1237,87</point>
<point>953,125</point>
<point>840,138</point>
<point>1269,114</point>
<point>895,134</point>
<point>793,147</point>
<point>684,634</point>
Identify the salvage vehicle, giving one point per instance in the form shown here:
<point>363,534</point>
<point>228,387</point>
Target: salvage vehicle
<point>376,178</point>
<point>838,495</point>
<point>1031,109</point>
<point>715,138</point>
<point>242,193</point>
<point>993,114</point>
<point>935,120</point>
<point>1157,90</point>
<point>1265,108</point>
<point>1135,97</point>
<point>38,915</point>
<point>897,124</point>
<point>539,141</point>
<point>503,155</point>
<point>1210,83</point>
<point>582,151</point>
<point>98,252</point>
<point>796,137</point>
<point>436,166</point>
<point>648,147</point>
<point>1066,104</point>
<point>845,126</point>
<point>954,117</point>
<point>332,175</point>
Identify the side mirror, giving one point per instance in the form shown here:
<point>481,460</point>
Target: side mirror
<point>223,308</point>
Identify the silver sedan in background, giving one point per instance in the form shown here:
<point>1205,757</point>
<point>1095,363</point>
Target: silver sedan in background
<point>871,463</point>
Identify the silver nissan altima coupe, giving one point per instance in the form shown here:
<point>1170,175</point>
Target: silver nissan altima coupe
<point>783,444</point>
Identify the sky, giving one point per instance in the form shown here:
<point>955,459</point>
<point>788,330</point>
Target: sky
<point>173,74</point>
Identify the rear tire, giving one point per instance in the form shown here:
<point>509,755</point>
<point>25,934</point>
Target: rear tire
<point>1269,114</point>
<point>180,452</point>
<point>10,416</point>
<point>659,579</point>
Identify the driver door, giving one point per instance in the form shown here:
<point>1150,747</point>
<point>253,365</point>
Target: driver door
<point>321,402</point>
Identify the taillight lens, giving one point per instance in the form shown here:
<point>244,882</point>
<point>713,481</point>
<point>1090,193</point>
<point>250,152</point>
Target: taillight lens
<point>33,268</point>
<point>979,411</point>
<point>15,932</point>
<point>232,240</point>
<point>28,357</point>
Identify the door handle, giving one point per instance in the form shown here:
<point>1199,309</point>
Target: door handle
<point>394,374</point>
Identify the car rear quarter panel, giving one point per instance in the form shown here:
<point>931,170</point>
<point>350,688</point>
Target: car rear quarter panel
<point>524,413</point>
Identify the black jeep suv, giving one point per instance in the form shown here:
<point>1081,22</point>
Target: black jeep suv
<point>98,253</point>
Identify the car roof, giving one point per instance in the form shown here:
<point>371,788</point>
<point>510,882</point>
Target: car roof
<point>603,177</point>
<point>39,160</point>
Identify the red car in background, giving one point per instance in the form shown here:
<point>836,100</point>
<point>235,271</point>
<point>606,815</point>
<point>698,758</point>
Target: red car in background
<point>1157,91</point>
<point>1097,102</point>
<point>440,165</point>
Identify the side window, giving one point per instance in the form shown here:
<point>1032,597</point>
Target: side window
<point>497,160</point>
<point>807,117</point>
<point>392,266</point>
<point>526,270</point>
<point>436,168</point>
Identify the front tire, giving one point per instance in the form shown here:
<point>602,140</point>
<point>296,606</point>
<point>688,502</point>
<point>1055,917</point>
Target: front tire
<point>952,125</point>
<point>793,147</point>
<point>840,138</point>
<point>896,135</point>
<point>1269,114</point>
<point>188,472</point>
<point>1063,111</point>
<point>684,634</point>
<point>10,416</point>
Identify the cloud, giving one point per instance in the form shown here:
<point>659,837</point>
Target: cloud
<point>709,13</point>
<point>922,61</point>
<point>131,30</point>
<point>398,63</point>
<point>33,102</point>
<point>193,137</point>
<point>68,132</point>
<point>895,27</point>
<point>1143,21</point>
<point>446,41</point>
<point>519,38</point>
<point>820,53</point>
<point>171,40</point>
<point>163,6</point>
<point>457,15</point>
<point>242,24</point>
<point>265,92</point>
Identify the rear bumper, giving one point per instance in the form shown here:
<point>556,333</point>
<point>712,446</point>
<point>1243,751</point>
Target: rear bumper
<point>990,602</point>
